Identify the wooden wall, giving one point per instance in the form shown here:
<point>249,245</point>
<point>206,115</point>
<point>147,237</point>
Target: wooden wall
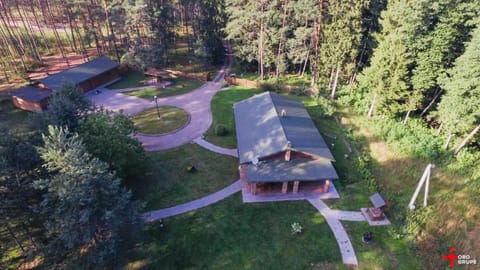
<point>29,105</point>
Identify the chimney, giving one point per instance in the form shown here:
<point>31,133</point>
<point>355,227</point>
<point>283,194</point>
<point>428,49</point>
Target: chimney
<point>283,113</point>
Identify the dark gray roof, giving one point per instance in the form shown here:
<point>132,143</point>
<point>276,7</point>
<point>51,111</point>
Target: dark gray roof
<point>297,169</point>
<point>377,200</point>
<point>32,93</point>
<point>80,73</point>
<point>262,131</point>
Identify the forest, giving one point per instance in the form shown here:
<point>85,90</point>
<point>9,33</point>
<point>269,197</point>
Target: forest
<point>409,68</point>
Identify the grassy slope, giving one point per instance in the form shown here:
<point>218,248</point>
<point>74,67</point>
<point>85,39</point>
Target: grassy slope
<point>172,118</point>
<point>454,218</point>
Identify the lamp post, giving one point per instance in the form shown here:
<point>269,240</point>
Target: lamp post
<point>156,104</point>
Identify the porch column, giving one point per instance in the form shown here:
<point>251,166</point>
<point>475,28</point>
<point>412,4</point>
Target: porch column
<point>327,185</point>
<point>254,188</point>
<point>285,187</point>
<point>295,186</point>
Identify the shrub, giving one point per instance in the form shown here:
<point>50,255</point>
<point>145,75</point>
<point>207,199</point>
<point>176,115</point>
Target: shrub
<point>191,169</point>
<point>296,228</point>
<point>413,139</point>
<point>132,61</point>
<point>221,130</point>
<point>325,106</point>
<point>268,87</point>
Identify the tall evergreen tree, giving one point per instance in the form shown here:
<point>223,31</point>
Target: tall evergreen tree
<point>87,208</point>
<point>459,109</point>
<point>386,79</point>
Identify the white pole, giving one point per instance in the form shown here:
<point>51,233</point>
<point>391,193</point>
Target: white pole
<point>419,186</point>
<point>427,183</point>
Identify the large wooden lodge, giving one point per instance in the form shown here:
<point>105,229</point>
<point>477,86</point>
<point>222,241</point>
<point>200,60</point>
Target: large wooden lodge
<point>279,148</point>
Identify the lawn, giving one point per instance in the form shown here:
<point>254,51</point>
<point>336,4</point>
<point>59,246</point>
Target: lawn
<point>179,86</point>
<point>233,235</point>
<point>171,118</point>
<point>222,110</point>
<point>169,183</point>
<point>132,79</point>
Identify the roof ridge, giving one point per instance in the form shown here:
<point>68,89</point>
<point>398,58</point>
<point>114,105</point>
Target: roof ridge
<point>279,120</point>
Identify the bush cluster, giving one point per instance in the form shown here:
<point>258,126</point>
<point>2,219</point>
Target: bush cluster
<point>413,139</point>
<point>268,87</point>
<point>221,130</point>
<point>367,176</point>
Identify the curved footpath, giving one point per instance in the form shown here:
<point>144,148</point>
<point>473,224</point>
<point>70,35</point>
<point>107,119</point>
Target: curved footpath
<point>196,103</point>
<point>193,205</point>
<point>214,148</point>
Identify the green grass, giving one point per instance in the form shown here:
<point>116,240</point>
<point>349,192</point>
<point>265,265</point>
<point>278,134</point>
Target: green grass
<point>222,110</point>
<point>171,118</point>
<point>132,79</point>
<point>169,183</point>
<point>179,86</point>
<point>233,235</point>
<point>11,116</point>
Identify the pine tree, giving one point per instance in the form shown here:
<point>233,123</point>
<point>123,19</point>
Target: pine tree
<point>386,80</point>
<point>87,208</point>
<point>459,109</point>
<point>107,136</point>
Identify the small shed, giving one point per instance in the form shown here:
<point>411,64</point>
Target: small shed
<point>157,75</point>
<point>31,98</point>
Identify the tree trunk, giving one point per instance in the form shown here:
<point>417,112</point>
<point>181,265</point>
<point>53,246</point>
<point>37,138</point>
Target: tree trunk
<point>330,80</point>
<point>438,93</point>
<point>260,46</point>
<point>55,32</point>
<point>439,129</point>
<point>406,117</point>
<point>352,80</point>
<point>32,9</point>
<point>372,106</point>
<point>15,238</point>
<point>282,40</point>
<point>13,41</point>
<point>110,30</point>
<point>448,141</point>
<point>466,140</point>
<point>305,64</point>
<point>335,83</point>
<point>30,31</point>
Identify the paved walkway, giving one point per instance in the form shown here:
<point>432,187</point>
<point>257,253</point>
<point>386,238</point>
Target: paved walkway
<point>115,101</point>
<point>196,103</point>
<point>193,205</point>
<point>333,220</point>
<point>214,148</point>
